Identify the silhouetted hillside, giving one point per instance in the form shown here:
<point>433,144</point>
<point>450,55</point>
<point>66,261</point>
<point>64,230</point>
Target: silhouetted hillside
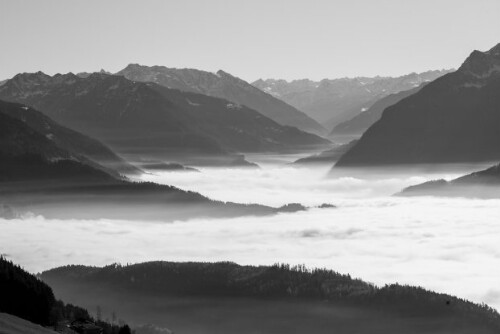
<point>455,118</point>
<point>28,155</point>
<point>482,184</point>
<point>320,299</point>
<point>25,296</point>
<point>67,139</point>
<point>226,86</point>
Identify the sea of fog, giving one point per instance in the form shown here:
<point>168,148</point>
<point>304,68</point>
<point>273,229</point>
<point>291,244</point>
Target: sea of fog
<point>447,245</point>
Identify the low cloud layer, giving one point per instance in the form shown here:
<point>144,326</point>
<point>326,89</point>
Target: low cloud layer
<point>447,245</point>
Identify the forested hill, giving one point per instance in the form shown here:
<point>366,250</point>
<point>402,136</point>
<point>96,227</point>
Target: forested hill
<point>277,282</point>
<point>25,296</point>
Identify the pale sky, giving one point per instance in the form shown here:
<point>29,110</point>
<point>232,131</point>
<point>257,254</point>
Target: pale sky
<point>252,39</point>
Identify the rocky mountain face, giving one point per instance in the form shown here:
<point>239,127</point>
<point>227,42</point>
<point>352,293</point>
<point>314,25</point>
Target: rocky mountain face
<point>225,86</point>
<point>482,184</point>
<point>362,121</point>
<point>455,118</point>
<point>135,116</point>
<point>67,139</point>
<point>332,101</point>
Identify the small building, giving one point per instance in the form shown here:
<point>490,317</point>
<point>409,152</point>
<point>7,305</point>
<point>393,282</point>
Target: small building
<point>85,327</point>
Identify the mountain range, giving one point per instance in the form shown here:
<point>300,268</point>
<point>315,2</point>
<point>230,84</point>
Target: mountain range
<point>455,118</point>
<point>151,120</point>
<point>333,101</point>
<point>225,86</point>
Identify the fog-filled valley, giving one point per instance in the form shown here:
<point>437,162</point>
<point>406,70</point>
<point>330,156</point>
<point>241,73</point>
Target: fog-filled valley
<point>369,233</point>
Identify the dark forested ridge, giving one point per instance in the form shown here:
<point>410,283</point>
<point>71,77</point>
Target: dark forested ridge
<point>226,86</point>
<point>481,184</point>
<point>455,118</point>
<point>25,296</point>
<point>151,119</point>
<point>161,283</point>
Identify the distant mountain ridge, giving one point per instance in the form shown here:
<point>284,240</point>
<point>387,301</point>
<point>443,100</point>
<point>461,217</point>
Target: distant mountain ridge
<point>361,122</point>
<point>332,101</point>
<point>226,86</point>
<point>149,118</point>
<point>455,118</point>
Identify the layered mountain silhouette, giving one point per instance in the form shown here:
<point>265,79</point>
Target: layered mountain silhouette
<point>27,155</point>
<point>228,298</point>
<point>455,118</point>
<point>53,175</point>
<point>482,184</point>
<point>64,138</point>
<point>361,122</point>
<point>333,101</point>
<point>151,119</point>
<point>226,86</point>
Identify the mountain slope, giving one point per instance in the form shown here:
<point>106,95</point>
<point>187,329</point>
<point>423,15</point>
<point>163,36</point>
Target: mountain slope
<point>28,155</point>
<point>67,139</point>
<point>482,184</point>
<point>455,118</point>
<point>333,101</point>
<point>151,119</point>
<point>226,86</point>
<point>359,123</point>
<point>227,298</point>
<point>29,304</point>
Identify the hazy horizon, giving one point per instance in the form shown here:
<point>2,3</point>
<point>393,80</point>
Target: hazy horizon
<point>283,39</point>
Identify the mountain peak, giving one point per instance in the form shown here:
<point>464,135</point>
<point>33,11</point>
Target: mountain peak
<point>494,51</point>
<point>222,73</point>
<point>37,77</point>
<point>482,64</point>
